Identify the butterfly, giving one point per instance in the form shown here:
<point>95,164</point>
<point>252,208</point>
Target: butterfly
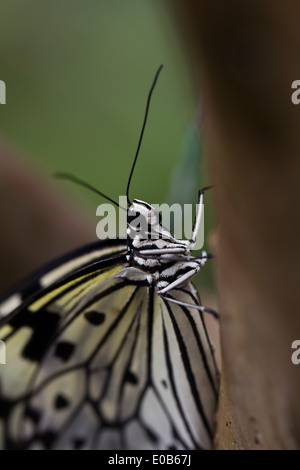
<point>107,347</point>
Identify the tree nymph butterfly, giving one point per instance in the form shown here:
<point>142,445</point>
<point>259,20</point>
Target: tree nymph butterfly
<point>107,347</point>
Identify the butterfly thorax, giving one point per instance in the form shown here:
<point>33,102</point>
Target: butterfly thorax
<point>154,254</point>
<point>146,235</point>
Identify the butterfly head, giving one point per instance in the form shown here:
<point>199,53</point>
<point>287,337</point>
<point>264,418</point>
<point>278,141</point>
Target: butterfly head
<point>143,220</point>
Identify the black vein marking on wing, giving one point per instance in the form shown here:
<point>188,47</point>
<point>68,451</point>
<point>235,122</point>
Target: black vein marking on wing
<point>213,375</point>
<point>133,325</point>
<point>126,377</point>
<point>127,344</point>
<point>188,370</point>
<point>31,289</point>
<point>173,386</point>
<point>29,286</point>
<point>42,437</point>
<point>169,416</point>
<point>47,323</point>
<point>65,349</point>
<point>126,373</point>
<point>210,374</point>
<point>150,332</point>
<point>149,382</point>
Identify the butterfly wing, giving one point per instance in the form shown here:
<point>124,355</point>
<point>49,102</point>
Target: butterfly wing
<point>184,373</point>
<point>85,259</point>
<point>99,361</point>
<point>27,323</point>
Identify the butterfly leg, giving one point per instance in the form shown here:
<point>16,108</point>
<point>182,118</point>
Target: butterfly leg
<point>163,251</point>
<point>197,307</point>
<point>177,283</point>
<point>179,280</point>
<point>197,221</point>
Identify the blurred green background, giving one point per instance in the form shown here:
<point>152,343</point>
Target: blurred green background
<point>78,74</point>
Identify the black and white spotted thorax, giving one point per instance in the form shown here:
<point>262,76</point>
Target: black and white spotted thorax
<point>154,254</point>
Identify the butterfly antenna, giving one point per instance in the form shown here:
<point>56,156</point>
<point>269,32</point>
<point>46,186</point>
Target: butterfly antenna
<point>74,179</point>
<point>142,132</point>
<point>206,188</point>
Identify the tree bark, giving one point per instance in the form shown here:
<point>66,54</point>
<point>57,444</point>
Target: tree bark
<point>245,56</point>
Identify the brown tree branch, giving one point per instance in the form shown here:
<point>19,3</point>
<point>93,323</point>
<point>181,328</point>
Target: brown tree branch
<point>245,56</point>
<point>37,221</point>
